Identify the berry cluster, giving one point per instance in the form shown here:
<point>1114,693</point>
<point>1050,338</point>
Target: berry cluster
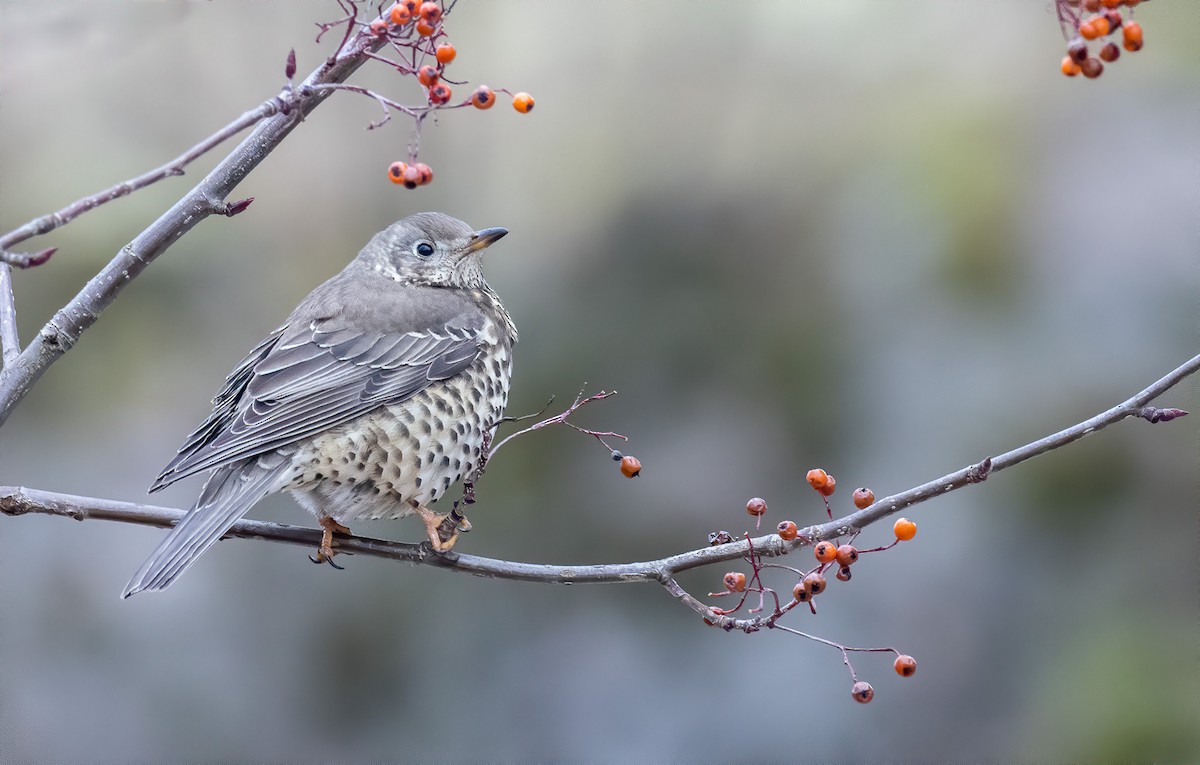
<point>414,30</point>
<point>412,176</point>
<point>1105,21</point>
<point>836,556</point>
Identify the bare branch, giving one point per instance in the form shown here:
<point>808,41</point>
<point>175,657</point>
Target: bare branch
<point>1133,407</point>
<point>20,501</point>
<point>207,198</point>
<point>10,343</point>
<point>48,223</point>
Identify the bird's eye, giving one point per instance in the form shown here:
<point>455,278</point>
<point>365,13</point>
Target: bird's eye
<point>424,249</point>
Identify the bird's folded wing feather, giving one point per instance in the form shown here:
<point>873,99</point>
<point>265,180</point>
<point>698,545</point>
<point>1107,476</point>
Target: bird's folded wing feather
<point>295,385</point>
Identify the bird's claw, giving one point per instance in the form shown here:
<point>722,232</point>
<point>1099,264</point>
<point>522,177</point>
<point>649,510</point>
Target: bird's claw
<point>326,552</point>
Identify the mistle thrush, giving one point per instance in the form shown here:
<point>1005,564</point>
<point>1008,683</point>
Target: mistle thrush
<point>380,391</point>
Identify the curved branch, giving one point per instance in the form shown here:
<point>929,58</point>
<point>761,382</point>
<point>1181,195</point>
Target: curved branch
<point>20,501</point>
<point>65,327</point>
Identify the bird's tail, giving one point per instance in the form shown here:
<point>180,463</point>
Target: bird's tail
<point>228,495</point>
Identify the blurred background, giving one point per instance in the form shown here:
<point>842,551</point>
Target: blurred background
<point>887,239</point>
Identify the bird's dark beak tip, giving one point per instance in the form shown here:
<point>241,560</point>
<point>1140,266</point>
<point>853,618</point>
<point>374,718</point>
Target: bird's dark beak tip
<point>486,237</point>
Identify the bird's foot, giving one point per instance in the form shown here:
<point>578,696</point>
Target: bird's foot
<point>442,530</point>
<point>326,552</point>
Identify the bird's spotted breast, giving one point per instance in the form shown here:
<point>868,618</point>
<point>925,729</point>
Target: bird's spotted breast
<point>376,466</point>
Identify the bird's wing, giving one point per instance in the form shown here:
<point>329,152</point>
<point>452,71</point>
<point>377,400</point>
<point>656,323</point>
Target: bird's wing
<point>296,384</point>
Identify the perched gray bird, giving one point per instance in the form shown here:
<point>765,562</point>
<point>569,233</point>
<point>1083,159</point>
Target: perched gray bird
<point>380,391</point>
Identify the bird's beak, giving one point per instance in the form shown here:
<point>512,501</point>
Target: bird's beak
<point>485,237</point>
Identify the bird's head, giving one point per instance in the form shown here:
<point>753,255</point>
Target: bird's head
<point>431,249</point>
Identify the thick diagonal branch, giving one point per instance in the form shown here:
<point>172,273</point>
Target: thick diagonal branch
<point>207,198</point>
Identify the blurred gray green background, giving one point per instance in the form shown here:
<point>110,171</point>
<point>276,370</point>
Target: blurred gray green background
<point>886,238</point>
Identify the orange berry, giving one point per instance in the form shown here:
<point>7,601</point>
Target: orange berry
<point>815,583</point>
<point>825,552</point>
<point>523,102</point>
<point>440,93</point>
<point>735,581</point>
<point>847,555</point>
<point>428,75</point>
<point>800,593</point>
<point>904,529</point>
<point>445,53</point>
<point>631,467</point>
<point>843,574</point>
<point>756,506</point>
<point>1091,6</point>
<point>1110,52</point>
<point>1069,67</point>
<point>1132,47</point>
<point>906,666</point>
<point>483,98</point>
<point>425,173</point>
<point>1111,3</point>
<point>863,497</point>
<point>378,27</point>
<point>862,692</point>
<point>1092,68</point>
<point>817,478</point>
<point>425,29</point>
<point>1131,31</point>
<point>1090,29</point>
<point>788,531</point>
<point>396,172</point>
<point>399,14</point>
<point>430,13</point>
<point>829,487</point>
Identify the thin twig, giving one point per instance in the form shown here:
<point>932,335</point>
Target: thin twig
<point>383,101</point>
<point>48,223</point>
<point>561,419</point>
<point>20,501</point>
<point>26,259</point>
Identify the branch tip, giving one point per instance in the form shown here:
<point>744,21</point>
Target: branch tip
<point>27,259</point>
